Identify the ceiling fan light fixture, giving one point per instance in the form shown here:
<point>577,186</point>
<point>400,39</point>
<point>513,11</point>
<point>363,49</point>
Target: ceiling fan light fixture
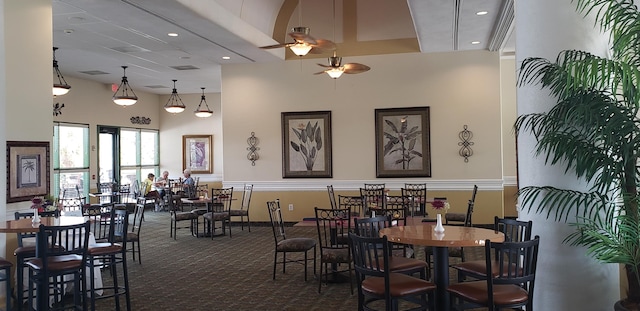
<point>201,112</point>
<point>174,104</point>
<point>335,73</point>
<point>300,49</point>
<point>61,87</point>
<point>121,96</point>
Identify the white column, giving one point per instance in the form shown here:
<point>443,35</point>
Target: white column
<point>567,279</point>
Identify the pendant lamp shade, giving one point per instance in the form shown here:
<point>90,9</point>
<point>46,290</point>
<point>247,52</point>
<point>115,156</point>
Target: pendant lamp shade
<point>61,87</point>
<point>300,49</point>
<point>174,104</point>
<point>201,112</point>
<point>124,95</point>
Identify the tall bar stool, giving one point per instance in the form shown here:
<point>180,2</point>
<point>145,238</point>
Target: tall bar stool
<point>61,251</point>
<point>5,276</point>
<point>24,251</point>
<point>109,255</point>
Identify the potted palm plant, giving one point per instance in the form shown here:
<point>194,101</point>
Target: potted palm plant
<point>593,131</point>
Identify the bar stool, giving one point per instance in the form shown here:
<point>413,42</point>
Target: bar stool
<point>5,276</point>
<point>110,254</point>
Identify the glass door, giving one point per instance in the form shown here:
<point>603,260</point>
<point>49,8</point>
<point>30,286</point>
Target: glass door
<point>108,154</point>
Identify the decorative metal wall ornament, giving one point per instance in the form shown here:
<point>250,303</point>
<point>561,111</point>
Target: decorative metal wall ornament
<point>57,109</point>
<point>140,120</point>
<point>253,154</point>
<point>465,137</point>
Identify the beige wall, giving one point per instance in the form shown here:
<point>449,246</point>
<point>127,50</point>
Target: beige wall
<point>186,123</point>
<point>460,89</point>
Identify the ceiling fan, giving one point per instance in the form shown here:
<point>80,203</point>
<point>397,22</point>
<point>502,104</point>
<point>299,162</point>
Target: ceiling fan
<point>335,68</point>
<point>304,43</point>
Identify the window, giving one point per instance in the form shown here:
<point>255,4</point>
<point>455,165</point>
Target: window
<point>70,159</point>
<point>139,154</point>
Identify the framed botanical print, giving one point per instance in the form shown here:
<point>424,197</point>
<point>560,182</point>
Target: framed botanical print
<point>306,144</point>
<point>402,142</point>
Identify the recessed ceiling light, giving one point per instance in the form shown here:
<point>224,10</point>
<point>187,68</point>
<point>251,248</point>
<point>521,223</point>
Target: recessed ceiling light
<point>172,34</point>
<point>482,13</point>
<point>475,42</point>
<point>226,57</point>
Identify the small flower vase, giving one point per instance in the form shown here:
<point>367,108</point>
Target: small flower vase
<point>36,217</point>
<point>439,228</point>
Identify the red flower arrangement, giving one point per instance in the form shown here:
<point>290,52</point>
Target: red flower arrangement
<point>37,202</point>
<point>440,205</point>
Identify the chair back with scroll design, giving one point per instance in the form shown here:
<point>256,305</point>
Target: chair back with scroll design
<point>396,207</point>
<point>333,227</point>
<point>372,199</point>
<point>99,220</point>
<point>374,186</point>
<point>352,202</point>
<point>418,194</point>
<point>72,204</point>
<point>284,245</point>
<point>332,196</point>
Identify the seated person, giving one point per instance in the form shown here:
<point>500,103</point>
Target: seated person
<point>162,183</point>
<point>149,191</point>
<point>188,184</point>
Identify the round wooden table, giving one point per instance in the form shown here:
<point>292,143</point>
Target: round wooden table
<point>453,236</point>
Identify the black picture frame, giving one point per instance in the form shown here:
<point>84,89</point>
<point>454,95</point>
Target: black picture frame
<point>403,142</point>
<point>306,144</point>
<point>28,170</point>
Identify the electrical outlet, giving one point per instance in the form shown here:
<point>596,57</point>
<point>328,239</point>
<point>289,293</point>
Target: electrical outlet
<point>290,207</point>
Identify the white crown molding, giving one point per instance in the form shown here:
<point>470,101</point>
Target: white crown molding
<point>352,185</point>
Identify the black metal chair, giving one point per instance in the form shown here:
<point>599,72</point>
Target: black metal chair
<point>514,231</point>
<point>244,207</point>
<point>22,252</point>
<point>418,194</point>
<point>352,202</point>
<point>110,254</point>
<point>333,227</point>
<point>372,201</point>
<point>286,245</point>
<point>133,236</point>
<point>376,282</point>
<point>5,276</point>
<point>220,211</point>
<point>332,197</point>
<point>370,227</point>
<point>513,265</point>
<point>61,250</point>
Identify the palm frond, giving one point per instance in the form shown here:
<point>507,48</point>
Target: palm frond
<point>561,204</point>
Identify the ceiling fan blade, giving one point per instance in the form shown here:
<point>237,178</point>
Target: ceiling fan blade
<point>319,73</point>
<point>304,38</point>
<point>325,66</point>
<point>322,45</point>
<point>275,46</point>
<point>353,68</point>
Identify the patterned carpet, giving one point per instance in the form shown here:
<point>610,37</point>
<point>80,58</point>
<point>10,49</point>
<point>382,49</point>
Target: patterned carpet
<point>223,274</point>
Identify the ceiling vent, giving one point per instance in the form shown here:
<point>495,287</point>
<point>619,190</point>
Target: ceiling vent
<point>129,49</point>
<point>157,86</point>
<point>94,72</point>
<point>185,67</point>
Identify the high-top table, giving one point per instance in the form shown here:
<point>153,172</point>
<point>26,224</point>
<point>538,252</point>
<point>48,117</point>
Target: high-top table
<point>453,236</point>
<point>25,225</point>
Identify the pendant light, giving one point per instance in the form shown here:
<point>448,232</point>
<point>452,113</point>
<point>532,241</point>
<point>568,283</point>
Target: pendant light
<point>61,87</point>
<point>201,112</point>
<point>174,104</point>
<point>122,96</point>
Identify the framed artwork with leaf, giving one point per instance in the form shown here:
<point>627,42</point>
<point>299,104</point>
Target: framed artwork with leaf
<point>27,170</point>
<point>402,142</point>
<point>306,144</point>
